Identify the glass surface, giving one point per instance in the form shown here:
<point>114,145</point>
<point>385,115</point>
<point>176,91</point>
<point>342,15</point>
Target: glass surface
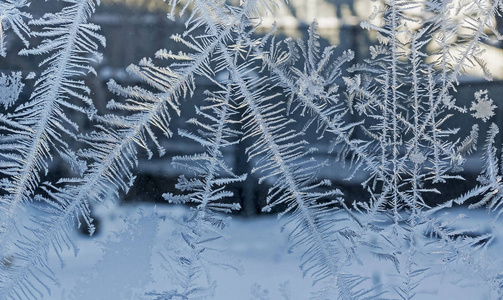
<point>148,149</point>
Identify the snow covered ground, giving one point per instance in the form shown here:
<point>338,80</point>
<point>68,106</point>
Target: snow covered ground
<point>124,264</point>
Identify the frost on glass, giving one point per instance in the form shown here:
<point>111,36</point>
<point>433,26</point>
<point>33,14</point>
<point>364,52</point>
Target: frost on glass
<point>298,108</point>
<point>10,88</point>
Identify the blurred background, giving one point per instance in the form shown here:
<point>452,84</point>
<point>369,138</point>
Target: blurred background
<point>135,29</point>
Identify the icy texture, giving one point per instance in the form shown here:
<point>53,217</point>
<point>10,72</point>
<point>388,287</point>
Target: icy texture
<point>277,97</point>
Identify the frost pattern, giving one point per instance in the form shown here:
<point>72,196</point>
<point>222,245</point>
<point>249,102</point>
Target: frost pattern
<point>10,88</point>
<point>399,101</point>
<point>484,107</point>
<point>13,16</point>
<point>35,133</point>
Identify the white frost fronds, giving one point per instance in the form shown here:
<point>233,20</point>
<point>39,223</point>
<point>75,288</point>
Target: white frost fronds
<point>13,16</point>
<point>37,128</point>
<point>390,118</point>
<point>189,258</point>
<point>45,113</point>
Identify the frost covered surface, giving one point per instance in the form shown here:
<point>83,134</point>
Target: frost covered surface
<point>389,117</point>
<point>10,88</point>
<point>13,17</point>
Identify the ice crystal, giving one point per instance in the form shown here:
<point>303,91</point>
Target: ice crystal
<point>484,107</point>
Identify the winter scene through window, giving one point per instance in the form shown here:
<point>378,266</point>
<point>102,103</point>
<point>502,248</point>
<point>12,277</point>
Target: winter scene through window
<point>251,149</point>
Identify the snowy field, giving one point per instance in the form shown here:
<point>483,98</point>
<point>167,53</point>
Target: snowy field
<point>125,263</point>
